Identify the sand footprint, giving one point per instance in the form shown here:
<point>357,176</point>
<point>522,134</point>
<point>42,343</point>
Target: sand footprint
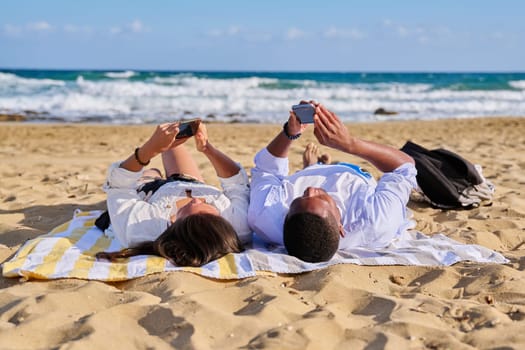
<point>173,329</point>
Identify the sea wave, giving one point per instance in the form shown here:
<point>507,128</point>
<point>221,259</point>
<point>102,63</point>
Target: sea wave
<point>518,84</point>
<point>13,85</point>
<point>157,98</point>
<point>120,75</point>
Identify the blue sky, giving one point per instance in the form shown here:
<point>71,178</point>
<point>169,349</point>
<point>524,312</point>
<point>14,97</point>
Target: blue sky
<point>324,35</point>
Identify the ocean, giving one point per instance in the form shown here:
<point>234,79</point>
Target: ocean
<point>144,97</point>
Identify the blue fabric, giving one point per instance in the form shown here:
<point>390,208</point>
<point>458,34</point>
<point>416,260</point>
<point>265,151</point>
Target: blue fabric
<point>357,169</point>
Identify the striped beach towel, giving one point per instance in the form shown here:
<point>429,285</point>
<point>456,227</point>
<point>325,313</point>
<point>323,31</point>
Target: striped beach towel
<point>69,251</point>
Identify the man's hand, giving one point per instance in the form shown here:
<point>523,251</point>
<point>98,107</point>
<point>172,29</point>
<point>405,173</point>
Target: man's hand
<point>294,125</point>
<point>330,131</point>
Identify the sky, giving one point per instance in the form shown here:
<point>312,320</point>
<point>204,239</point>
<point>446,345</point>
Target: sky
<point>270,35</point>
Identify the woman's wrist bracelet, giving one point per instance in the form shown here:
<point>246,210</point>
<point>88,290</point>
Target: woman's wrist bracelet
<point>138,159</point>
<point>290,137</point>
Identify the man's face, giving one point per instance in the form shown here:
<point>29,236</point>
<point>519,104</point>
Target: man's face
<point>316,201</point>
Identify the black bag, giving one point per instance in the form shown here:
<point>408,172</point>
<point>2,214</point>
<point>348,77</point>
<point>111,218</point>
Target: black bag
<point>103,221</point>
<point>447,179</point>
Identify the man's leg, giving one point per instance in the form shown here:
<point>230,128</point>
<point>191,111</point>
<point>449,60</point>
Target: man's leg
<point>311,156</point>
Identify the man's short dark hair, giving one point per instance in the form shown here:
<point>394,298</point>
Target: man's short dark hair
<point>311,237</point>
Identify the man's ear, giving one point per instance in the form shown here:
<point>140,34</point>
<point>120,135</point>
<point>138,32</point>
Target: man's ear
<point>341,230</point>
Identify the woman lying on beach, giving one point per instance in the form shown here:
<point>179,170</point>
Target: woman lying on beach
<point>179,218</point>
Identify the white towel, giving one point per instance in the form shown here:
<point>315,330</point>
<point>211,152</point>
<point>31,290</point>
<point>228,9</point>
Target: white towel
<point>68,252</point>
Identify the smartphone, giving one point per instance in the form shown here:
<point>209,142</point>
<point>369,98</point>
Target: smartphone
<point>188,128</point>
<point>305,112</point>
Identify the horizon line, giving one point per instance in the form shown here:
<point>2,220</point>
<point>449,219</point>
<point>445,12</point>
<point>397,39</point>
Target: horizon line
<point>267,71</point>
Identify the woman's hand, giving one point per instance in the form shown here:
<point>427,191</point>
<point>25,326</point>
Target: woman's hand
<point>224,166</point>
<point>164,138</point>
<point>201,138</point>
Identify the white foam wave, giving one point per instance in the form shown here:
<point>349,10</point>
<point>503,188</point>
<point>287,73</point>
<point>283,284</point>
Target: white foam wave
<point>518,84</point>
<point>249,99</point>
<point>12,81</point>
<point>120,75</point>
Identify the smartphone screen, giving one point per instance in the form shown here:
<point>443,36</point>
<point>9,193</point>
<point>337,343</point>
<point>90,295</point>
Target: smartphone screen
<point>188,128</point>
<point>305,112</point>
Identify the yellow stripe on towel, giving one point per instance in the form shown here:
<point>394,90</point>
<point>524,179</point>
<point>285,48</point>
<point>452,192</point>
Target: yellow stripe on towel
<point>59,229</point>
<point>11,267</point>
<point>48,265</point>
<point>155,264</point>
<point>118,271</point>
<point>227,266</point>
<point>87,259</point>
<point>52,258</point>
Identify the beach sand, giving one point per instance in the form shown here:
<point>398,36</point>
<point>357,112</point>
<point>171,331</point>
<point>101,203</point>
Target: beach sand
<point>50,170</point>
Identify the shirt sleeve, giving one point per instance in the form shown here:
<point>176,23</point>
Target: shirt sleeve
<point>266,211</point>
<point>237,189</point>
<point>384,211</point>
<point>133,220</point>
<point>268,163</point>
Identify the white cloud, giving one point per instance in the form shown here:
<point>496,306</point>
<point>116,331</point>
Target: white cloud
<point>402,31</point>
<point>228,32</point>
<point>294,34</point>
<point>41,26</point>
<point>69,28</point>
<point>420,33</point>
<point>258,37</point>
<point>137,26</point>
<point>215,33</point>
<point>134,27</point>
<point>387,22</point>
<point>73,29</point>
<point>423,39</point>
<point>240,33</point>
<point>115,30</point>
<point>399,29</point>
<point>32,27</point>
<point>233,30</point>
<point>12,30</point>
<point>497,35</point>
<point>336,33</point>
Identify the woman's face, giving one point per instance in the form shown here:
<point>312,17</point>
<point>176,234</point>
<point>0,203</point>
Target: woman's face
<point>196,206</point>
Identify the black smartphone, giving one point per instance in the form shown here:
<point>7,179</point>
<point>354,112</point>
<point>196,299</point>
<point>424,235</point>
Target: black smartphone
<point>188,128</point>
<point>305,112</point>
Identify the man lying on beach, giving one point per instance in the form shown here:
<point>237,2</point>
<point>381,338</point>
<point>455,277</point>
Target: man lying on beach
<point>179,218</point>
<point>326,207</point>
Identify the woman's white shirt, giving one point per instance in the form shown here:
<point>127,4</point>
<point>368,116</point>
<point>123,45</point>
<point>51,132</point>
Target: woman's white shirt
<point>137,217</point>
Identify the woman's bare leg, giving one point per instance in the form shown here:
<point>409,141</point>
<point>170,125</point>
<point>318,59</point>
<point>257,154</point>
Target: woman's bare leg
<point>152,173</point>
<point>178,160</point>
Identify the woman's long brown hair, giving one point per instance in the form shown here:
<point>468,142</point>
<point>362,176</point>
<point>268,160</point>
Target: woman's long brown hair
<point>192,241</point>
